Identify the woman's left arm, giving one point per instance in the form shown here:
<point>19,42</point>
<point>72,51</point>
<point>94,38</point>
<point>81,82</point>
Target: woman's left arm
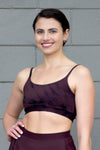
<point>85,103</point>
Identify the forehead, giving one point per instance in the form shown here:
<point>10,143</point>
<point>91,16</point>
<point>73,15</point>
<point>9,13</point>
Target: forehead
<point>45,23</point>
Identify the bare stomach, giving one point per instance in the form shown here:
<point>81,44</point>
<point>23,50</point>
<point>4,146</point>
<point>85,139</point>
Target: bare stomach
<point>46,122</point>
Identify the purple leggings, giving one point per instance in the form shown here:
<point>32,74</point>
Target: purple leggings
<point>36,141</point>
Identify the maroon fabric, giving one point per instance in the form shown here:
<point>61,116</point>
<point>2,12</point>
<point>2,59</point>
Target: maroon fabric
<point>37,141</point>
<point>54,97</point>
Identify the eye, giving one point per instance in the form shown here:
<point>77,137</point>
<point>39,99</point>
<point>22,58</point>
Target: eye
<point>39,31</point>
<point>53,31</point>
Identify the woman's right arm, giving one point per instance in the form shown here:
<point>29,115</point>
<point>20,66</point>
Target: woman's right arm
<point>14,107</point>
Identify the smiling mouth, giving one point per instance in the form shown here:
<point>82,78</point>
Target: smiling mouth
<point>47,45</point>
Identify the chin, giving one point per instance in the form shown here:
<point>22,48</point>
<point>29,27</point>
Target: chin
<point>47,53</point>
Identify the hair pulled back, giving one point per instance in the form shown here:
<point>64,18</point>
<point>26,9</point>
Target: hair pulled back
<point>55,14</point>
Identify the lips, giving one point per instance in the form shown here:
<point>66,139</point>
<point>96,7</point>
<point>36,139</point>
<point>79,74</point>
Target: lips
<point>46,45</point>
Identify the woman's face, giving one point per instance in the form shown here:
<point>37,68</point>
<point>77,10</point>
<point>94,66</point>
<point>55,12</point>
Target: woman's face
<point>49,35</point>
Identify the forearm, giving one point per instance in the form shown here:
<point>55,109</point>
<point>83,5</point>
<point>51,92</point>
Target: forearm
<point>8,121</point>
<point>84,144</point>
<point>11,126</point>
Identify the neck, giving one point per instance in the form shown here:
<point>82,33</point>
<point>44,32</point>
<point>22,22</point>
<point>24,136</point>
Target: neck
<point>54,60</point>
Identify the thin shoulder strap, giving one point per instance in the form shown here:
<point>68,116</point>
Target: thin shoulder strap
<point>72,69</point>
<point>30,72</point>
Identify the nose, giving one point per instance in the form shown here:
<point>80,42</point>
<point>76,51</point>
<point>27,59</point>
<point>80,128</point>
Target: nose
<point>46,36</point>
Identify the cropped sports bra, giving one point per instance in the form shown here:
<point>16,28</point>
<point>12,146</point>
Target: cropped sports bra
<point>55,97</point>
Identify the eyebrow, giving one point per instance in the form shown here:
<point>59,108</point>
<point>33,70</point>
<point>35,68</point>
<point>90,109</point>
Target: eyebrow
<point>48,29</point>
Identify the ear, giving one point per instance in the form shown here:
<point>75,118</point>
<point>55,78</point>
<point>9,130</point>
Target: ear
<point>66,34</point>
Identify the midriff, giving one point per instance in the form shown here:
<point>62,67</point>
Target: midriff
<point>46,122</point>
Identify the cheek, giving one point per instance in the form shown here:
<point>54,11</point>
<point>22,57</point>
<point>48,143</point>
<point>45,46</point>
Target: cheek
<point>37,39</point>
<point>59,37</point>
<point>59,40</point>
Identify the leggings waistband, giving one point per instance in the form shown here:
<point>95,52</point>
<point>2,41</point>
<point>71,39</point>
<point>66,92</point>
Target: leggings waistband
<point>57,135</point>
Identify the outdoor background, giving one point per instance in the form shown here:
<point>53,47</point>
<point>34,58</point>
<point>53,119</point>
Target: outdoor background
<point>18,49</point>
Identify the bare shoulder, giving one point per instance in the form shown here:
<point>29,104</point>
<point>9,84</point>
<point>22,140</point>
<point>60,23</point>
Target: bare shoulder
<point>23,73</point>
<point>82,72</point>
<point>22,77</point>
<point>83,77</point>
<point>80,77</point>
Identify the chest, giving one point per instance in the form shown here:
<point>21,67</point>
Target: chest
<point>56,95</point>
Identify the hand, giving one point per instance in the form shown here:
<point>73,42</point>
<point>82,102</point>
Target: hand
<point>15,131</point>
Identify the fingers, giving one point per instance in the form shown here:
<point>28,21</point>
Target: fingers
<point>19,131</point>
<point>19,123</point>
<point>15,131</point>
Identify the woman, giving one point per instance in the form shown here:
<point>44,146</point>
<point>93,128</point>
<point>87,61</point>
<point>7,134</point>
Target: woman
<point>52,94</point>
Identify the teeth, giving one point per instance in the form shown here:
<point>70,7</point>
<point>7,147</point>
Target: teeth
<point>47,44</point>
